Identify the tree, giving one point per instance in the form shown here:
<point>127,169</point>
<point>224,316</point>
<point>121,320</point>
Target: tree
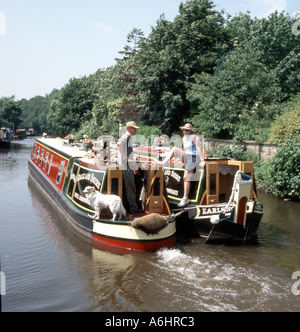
<point>277,48</point>
<point>72,106</point>
<point>106,110</point>
<point>235,99</point>
<point>134,40</point>
<point>10,112</point>
<point>129,107</point>
<point>35,112</point>
<point>172,54</point>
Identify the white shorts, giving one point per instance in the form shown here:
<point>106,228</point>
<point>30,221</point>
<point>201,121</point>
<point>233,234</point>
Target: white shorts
<point>191,162</point>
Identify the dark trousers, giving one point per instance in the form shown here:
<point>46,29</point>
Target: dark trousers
<point>130,189</point>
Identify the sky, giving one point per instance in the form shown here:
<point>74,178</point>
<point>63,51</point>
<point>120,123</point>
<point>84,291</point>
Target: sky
<point>45,43</point>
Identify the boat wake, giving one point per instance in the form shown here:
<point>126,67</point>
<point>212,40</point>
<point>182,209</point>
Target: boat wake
<point>211,283</point>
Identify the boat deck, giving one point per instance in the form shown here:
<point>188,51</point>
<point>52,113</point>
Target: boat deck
<point>74,150</point>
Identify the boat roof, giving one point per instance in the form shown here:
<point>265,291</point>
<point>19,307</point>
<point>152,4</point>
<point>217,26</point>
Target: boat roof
<point>77,151</point>
<point>63,146</point>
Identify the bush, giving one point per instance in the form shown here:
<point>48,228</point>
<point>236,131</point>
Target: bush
<point>282,174</point>
<point>261,172</point>
<point>287,125</point>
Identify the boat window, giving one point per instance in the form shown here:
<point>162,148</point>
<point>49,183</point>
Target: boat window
<point>212,184</point>
<point>50,164</point>
<point>37,155</point>
<point>72,181</point>
<point>60,172</point>
<point>71,187</point>
<point>41,159</point>
<point>46,161</point>
<point>33,152</point>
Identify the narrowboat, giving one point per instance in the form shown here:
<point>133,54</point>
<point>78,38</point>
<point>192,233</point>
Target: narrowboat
<point>63,171</point>
<point>6,136</point>
<point>30,132</point>
<point>223,201</point>
<point>21,134</point>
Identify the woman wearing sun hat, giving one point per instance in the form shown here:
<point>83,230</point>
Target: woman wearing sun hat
<point>191,156</point>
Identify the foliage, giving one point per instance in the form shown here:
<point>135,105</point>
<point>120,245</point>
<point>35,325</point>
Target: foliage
<point>35,111</point>
<point>261,70</point>
<point>276,47</point>
<point>270,37</point>
<point>71,106</point>
<point>282,174</point>
<point>172,54</point>
<point>147,132</point>
<point>106,111</point>
<point>261,172</point>
<point>235,100</point>
<point>10,113</point>
<point>287,125</point>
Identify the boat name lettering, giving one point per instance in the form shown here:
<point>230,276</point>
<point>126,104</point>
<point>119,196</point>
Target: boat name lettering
<point>172,192</point>
<point>82,199</point>
<point>214,210</point>
<point>89,177</point>
<point>173,175</point>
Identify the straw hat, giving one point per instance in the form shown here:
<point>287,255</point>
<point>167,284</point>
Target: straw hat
<point>132,124</point>
<point>188,127</point>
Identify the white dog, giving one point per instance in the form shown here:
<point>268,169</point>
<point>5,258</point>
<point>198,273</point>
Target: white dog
<point>99,201</point>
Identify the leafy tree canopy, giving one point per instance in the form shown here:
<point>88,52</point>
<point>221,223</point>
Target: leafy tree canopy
<point>10,112</point>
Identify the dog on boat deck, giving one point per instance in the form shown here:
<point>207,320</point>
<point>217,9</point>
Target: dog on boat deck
<point>99,201</point>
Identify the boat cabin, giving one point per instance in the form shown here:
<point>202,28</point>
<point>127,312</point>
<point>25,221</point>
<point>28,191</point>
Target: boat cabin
<point>6,136</point>
<point>211,185</point>
<point>71,170</point>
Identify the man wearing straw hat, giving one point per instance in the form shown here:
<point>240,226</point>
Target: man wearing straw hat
<point>191,156</point>
<point>128,165</point>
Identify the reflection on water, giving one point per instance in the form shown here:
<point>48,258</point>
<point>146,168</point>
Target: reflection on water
<point>48,267</point>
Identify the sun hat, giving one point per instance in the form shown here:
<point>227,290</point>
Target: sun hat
<point>132,124</point>
<point>188,127</point>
